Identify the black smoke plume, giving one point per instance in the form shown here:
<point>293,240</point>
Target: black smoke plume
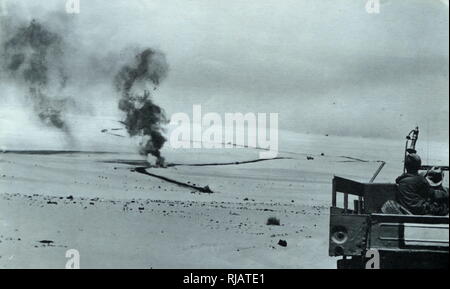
<point>143,117</point>
<point>32,56</point>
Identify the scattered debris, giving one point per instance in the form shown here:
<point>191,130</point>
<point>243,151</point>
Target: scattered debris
<point>207,189</point>
<point>268,210</point>
<point>272,221</point>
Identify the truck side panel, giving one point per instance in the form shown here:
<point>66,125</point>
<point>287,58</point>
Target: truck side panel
<point>348,234</point>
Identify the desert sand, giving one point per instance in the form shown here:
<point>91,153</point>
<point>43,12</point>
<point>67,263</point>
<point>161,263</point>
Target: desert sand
<point>116,216</point>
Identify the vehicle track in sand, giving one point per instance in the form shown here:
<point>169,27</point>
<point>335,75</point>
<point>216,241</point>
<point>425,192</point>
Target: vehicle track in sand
<point>206,189</point>
<point>228,163</point>
<point>143,170</point>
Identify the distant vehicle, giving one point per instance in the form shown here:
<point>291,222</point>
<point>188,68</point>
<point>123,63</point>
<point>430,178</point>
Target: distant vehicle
<point>360,232</point>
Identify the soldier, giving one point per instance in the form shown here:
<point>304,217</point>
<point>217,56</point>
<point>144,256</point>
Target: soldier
<point>415,193</point>
<point>435,178</point>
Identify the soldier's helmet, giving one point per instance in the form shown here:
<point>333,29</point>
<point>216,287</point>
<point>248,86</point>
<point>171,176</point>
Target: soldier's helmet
<point>413,163</point>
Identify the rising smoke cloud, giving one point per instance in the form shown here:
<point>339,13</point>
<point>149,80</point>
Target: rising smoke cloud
<point>33,57</point>
<point>56,79</point>
<point>143,117</point>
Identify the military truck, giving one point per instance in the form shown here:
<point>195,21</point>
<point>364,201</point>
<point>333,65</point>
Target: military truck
<point>366,238</point>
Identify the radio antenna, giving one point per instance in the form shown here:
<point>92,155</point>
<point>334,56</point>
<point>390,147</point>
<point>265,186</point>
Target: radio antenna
<point>410,145</point>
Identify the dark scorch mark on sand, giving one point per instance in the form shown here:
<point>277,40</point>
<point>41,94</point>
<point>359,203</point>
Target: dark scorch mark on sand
<point>354,159</point>
<point>143,170</point>
<point>228,163</point>
<point>128,162</point>
<point>206,189</point>
<point>52,152</point>
<point>168,165</point>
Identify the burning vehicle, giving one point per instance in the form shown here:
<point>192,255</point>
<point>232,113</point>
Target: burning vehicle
<point>142,116</point>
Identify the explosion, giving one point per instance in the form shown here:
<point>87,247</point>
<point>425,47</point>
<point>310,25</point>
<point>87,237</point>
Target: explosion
<point>142,116</point>
<point>37,58</point>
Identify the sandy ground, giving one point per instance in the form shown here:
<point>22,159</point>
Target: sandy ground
<point>116,217</point>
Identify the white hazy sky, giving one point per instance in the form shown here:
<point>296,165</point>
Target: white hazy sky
<point>325,66</point>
